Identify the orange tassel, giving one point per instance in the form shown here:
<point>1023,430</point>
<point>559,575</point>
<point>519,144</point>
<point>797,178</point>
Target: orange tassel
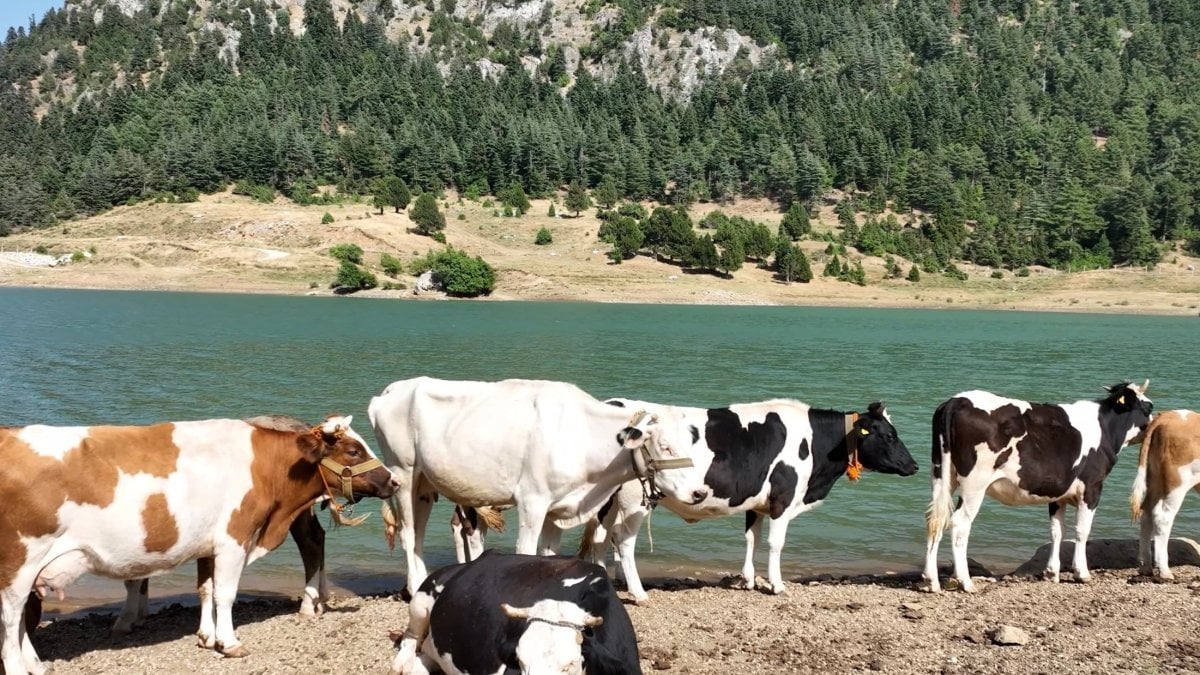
<point>855,469</point>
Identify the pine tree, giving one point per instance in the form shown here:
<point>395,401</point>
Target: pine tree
<point>577,198</point>
<point>795,224</point>
<point>833,268</point>
<point>606,193</point>
<point>425,215</point>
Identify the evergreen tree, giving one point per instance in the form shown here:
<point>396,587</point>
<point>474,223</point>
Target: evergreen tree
<point>795,224</point>
<point>577,198</point>
<point>606,193</point>
<point>833,268</point>
<point>703,254</point>
<point>733,256</point>
<point>391,191</point>
<point>426,216</point>
<point>791,264</point>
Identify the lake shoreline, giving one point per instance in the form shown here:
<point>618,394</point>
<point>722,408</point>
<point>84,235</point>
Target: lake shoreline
<point>1130,309</point>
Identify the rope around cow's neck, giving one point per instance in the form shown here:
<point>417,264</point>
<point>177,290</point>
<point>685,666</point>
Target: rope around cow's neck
<point>341,513</point>
<point>854,467</point>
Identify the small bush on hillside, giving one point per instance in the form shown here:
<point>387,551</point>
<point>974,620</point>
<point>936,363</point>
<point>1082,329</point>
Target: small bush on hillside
<point>391,264</point>
<point>327,218</point>
<point>543,237</point>
<point>439,237</point>
<point>459,273</point>
<point>187,195</point>
<point>997,274</point>
<point>351,253</point>
<point>1023,272</point>
<point>351,278</point>
<point>256,191</point>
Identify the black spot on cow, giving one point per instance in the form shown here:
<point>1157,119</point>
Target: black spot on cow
<point>1002,458</point>
<point>742,455</point>
<point>616,403</point>
<point>1045,474</point>
<point>829,455</point>
<point>695,433</point>
<point>803,453</point>
<point>751,518</point>
<point>783,489</point>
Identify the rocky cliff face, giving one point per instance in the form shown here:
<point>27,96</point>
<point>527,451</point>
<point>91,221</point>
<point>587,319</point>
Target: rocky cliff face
<point>675,62</point>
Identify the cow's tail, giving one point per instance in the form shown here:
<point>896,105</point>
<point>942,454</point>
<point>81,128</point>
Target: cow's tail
<point>388,507</point>
<point>941,503</point>
<point>587,547</point>
<point>492,517</point>
<point>1137,498</point>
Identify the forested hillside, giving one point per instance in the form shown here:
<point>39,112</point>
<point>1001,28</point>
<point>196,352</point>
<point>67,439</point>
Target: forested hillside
<point>1007,133</point>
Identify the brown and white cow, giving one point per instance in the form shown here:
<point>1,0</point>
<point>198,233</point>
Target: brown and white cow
<point>1169,466</point>
<point>130,502</point>
<point>1019,452</point>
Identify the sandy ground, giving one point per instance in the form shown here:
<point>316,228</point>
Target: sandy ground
<point>232,244</point>
<point>1118,623</point>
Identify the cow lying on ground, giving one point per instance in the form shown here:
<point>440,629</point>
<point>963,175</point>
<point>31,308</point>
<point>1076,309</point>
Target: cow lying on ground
<point>517,613</point>
<point>548,448</point>
<point>772,460</point>
<point>1168,467</point>
<point>1026,453</point>
<point>129,502</point>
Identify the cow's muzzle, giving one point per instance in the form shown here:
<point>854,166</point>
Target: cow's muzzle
<point>347,473</point>
<point>646,464</point>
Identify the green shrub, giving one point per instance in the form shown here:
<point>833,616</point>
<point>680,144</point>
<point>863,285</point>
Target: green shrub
<point>351,278</point>
<point>462,216</point>
<point>327,218</point>
<point>426,216</point>
<point>508,211</point>
<point>550,211</point>
<point>914,274</point>
<point>1023,271</point>
<point>41,249</point>
<point>78,256</point>
<point>543,237</point>
<point>256,191</point>
<point>997,274</point>
<point>459,273</point>
<point>187,195</point>
<point>487,203</point>
<point>391,264</point>
<point>439,237</point>
<point>351,253</point>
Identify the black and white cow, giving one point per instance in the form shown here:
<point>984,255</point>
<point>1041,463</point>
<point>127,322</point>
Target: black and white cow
<point>531,614</point>
<point>774,460</point>
<point>1026,453</point>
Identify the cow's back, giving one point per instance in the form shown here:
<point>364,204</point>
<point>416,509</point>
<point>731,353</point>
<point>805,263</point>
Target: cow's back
<point>135,500</point>
<point>472,591</point>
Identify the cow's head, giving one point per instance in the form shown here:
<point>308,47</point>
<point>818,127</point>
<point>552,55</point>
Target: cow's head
<point>345,461</point>
<point>879,447</point>
<point>1128,412</point>
<point>661,458</point>
<point>552,642</point>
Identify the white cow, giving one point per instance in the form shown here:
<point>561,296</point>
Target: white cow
<point>548,448</point>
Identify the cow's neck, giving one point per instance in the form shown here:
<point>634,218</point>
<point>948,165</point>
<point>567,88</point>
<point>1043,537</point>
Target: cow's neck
<point>829,452</point>
<point>1113,428</point>
<point>276,500</point>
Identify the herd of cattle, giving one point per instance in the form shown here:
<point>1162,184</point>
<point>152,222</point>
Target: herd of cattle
<point>131,502</point>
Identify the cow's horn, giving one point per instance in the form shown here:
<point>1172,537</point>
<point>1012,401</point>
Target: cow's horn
<point>593,621</point>
<point>1145,385</point>
<point>515,612</point>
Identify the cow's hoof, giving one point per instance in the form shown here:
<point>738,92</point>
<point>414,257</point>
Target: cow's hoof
<point>1051,576</point>
<point>1083,578</point>
<point>778,589</point>
<point>121,630</point>
<point>641,600</point>
<point>744,584</point>
<point>967,586</point>
<point>235,652</point>
<point>206,641</point>
<point>1166,575</point>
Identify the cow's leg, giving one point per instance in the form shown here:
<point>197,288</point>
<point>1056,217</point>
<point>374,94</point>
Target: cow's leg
<point>404,503</point>
<point>134,612</point>
<point>408,660</point>
<point>1057,513</point>
<point>309,536</point>
<point>1083,527</point>
<point>227,572</point>
<point>1146,562</point>
<point>776,536</point>
<point>532,514</point>
<point>476,539</point>
<point>626,533</point>
<point>960,533</point>
<point>551,537</point>
<point>207,635</point>
<point>18,654</point>
<point>753,530</point>
<point>1162,517</point>
<point>458,533</point>
<point>422,508</point>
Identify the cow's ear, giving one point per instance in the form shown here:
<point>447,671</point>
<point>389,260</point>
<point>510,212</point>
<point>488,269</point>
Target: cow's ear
<point>312,445</point>
<point>877,409</point>
<point>630,438</point>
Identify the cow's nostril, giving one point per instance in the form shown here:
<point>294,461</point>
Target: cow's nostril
<point>699,496</point>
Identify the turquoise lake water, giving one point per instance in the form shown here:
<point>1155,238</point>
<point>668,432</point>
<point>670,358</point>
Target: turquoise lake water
<point>93,357</point>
